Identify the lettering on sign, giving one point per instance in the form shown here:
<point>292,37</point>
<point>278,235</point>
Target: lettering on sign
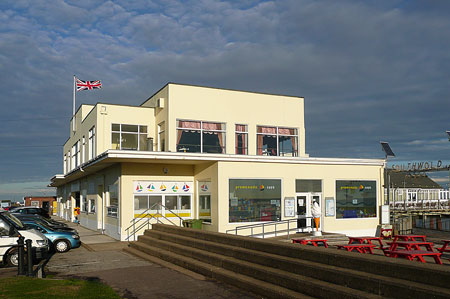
<point>415,166</point>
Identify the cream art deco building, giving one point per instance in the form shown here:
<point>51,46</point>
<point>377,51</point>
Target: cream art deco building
<point>231,158</point>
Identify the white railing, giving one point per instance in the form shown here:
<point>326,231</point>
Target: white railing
<point>261,230</point>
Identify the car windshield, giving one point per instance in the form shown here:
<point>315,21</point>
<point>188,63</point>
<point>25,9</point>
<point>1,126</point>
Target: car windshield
<point>40,223</point>
<point>13,219</point>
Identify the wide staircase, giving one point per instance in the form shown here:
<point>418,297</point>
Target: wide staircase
<point>274,269</point>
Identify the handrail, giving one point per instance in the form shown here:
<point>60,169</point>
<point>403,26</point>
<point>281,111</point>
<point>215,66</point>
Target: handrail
<point>264,225</point>
<point>146,216</point>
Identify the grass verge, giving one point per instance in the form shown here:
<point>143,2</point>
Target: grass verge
<point>26,287</point>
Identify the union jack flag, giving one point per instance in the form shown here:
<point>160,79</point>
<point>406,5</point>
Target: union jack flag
<point>89,85</point>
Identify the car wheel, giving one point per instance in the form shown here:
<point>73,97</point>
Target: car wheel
<point>62,246</point>
<point>12,259</point>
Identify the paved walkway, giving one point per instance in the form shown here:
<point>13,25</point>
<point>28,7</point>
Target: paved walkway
<point>101,257</point>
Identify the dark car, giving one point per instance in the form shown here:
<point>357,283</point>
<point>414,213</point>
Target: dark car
<point>48,222</point>
<point>30,210</point>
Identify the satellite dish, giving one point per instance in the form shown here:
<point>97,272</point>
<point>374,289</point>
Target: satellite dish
<point>387,149</point>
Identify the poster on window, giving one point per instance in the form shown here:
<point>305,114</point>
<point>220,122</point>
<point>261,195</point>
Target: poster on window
<point>289,207</point>
<point>329,207</point>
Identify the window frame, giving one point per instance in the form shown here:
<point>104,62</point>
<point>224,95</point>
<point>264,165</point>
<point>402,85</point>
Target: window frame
<point>245,133</point>
<point>202,131</point>
<point>138,133</point>
<point>277,135</point>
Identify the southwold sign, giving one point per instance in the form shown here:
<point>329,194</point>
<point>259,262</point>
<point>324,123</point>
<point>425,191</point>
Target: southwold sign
<point>420,166</point>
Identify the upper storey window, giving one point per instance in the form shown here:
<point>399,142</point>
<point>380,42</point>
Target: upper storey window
<point>200,137</point>
<point>276,141</point>
<point>129,137</point>
<point>241,140</point>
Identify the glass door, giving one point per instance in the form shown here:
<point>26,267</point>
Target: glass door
<point>305,201</point>
<point>316,197</point>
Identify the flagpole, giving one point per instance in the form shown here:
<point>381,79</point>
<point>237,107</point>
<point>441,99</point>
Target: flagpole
<point>73,110</point>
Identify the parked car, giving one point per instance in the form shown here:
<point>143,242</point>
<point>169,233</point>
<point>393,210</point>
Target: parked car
<point>30,210</point>
<point>61,241</point>
<point>10,229</point>
<point>49,222</point>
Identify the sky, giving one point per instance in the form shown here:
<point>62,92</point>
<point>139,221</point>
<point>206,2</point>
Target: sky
<point>369,71</point>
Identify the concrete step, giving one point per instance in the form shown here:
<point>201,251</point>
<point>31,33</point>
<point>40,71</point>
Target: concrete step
<point>295,282</point>
<point>256,286</point>
<point>427,274</point>
<point>363,281</point>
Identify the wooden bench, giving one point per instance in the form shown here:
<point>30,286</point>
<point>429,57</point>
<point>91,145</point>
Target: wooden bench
<point>361,248</point>
<point>314,242</point>
<point>415,254</point>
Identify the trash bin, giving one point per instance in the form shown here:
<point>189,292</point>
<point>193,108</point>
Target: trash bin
<point>197,223</point>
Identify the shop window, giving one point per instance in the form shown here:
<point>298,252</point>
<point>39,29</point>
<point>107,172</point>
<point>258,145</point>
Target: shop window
<point>204,201</point>
<point>140,204</point>
<point>155,202</point>
<point>254,200</point>
<point>91,206</point>
<point>185,202</point>
<point>241,140</point>
<point>113,202</point>
<point>171,202</point>
<point>277,141</point>
<point>356,199</point>
<point>200,137</point>
<point>129,137</point>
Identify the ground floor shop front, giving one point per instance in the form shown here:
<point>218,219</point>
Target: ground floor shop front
<point>226,194</point>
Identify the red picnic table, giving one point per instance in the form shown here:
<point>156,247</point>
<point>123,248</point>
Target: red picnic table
<point>410,237</point>
<point>314,242</point>
<point>361,248</point>
<point>366,240</point>
<point>410,245</point>
<point>412,250</point>
<point>416,254</point>
<point>445,247</point>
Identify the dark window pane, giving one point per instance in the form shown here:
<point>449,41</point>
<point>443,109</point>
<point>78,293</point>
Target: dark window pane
<point>116,127</point>
<point>308,186</point>
<point>213,143</point>
<point>254,200</point>
<point>356,199</point>
<point>129,141</point>
<point>129,128</point>
<point>188,141</point>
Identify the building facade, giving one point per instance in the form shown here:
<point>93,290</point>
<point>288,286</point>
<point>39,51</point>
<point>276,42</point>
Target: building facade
<point>415,191</point>
<point>48,203</point>
<point>230,158</point>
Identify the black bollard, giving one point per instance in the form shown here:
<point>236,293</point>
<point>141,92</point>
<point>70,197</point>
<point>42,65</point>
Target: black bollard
<point>21,256</point>
<point>29,258</point>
